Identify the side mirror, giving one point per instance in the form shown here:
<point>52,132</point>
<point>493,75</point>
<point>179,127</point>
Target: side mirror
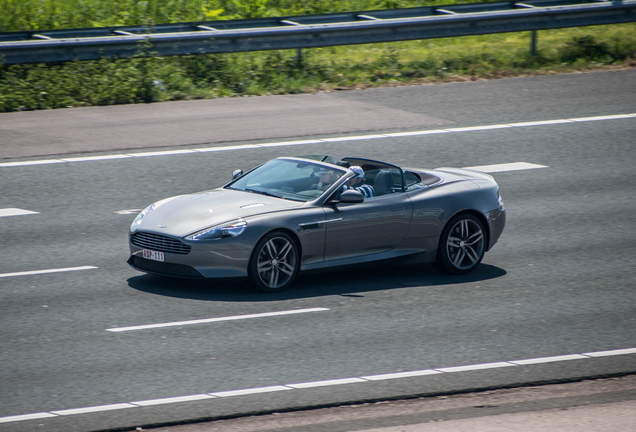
<point>237,173</point>
<point>351,196</point>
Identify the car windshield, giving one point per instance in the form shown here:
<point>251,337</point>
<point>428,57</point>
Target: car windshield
<point>295,180</point>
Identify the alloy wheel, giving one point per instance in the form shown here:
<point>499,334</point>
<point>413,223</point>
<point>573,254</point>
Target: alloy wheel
<point>276,263</point>
<point>465,244</point>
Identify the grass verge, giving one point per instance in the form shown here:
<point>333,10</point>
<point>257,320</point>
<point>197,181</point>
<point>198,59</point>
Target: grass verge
<point>150,79</point>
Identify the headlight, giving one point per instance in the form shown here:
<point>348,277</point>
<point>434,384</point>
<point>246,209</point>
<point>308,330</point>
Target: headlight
<point>231,229</point>
<point>140,217</point>
<point>500,203</point>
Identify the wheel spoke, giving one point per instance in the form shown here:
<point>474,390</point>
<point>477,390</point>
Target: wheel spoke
<point>464,229</point>
<point>453,240</point>
<point>478,236</point>
<point>264,266</point>
<point>453,248</point>
<point>286,268</point>
<point>471,254</point>
<point>284,251</point>
<point>273,277</point>
<point>271,249</point>
<point>459,257</point>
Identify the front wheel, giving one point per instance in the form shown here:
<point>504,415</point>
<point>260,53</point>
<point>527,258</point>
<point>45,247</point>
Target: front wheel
<point>462,245</point>
<point>274,262</point>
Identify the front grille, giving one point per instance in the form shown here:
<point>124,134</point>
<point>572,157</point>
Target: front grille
<point>164,269</point>
<point>159,243</point>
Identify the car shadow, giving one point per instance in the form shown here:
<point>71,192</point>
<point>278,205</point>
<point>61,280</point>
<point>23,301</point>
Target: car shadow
<point>351,283</point>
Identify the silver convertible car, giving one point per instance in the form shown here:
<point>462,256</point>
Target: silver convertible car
<point>293,214</point>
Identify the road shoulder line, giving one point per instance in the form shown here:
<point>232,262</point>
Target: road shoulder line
<point>312,384</point>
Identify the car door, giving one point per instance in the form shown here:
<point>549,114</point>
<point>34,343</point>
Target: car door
<point>373,226</point>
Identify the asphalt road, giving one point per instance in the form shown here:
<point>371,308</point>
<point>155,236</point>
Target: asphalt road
<point>585,406</point>
<point>560,281</point>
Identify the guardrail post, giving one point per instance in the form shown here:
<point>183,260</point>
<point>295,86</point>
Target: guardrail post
<point>299,56</point>
<point>533,42</point>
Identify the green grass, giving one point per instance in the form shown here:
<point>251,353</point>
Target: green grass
<point>147,79</point>
<point>55,14</point>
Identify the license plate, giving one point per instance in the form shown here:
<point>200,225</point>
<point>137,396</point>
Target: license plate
<point>154,255</point>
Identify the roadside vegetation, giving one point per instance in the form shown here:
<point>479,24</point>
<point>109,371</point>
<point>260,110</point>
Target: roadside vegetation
<point>147,78</point>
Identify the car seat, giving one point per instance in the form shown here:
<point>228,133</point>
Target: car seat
<point>383,183</point>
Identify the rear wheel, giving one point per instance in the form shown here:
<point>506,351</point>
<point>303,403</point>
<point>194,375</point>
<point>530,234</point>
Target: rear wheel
<point>462,245</point>
<point>274,262</point>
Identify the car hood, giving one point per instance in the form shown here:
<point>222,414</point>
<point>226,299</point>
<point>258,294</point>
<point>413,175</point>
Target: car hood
<point>185,214</point>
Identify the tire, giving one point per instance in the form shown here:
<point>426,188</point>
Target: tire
<point>274,263</point>
<point>462,245</point>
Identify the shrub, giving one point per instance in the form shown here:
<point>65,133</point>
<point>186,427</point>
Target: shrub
<point>587,48</point>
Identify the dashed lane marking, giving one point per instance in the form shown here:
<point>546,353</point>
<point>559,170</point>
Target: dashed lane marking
<point>93,409</point>
<point>15,212</point>
<point>218,319</point>
<point>475,367</point>
<point>396,375</point>
<point>611,352</point>
<point>325,383</point>
<point>171,400</point>
<point>256,390</point>
<point>319,141</point>
<point>313,384</point>
<point>549,359</point>
<point>39,272</point>
<point>34,416</point>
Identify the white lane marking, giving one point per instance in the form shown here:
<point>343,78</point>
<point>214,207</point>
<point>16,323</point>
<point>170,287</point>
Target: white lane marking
<point>515,166</point>
<point>479,128</point>
<point>325,140</point>
<point>16,212</point>
<point>326,383</point>
<point>474,367</point>
<point>415,133</point>
<point>353,138</point>
<point>161,153</point>
<point>363,379</point>
<point>95,158</point>
<point>607,117</point>
<point>170,400</point>
<point>219,319</point>
<point>39,272</point>
<point>540,123</point>
<point>128,212</point>
<point>290,143</point>
<point>401,375</point>
<point>250,391</point>
<point>34,416</point>
<point>93,409</point>
<point>549,359</point>
<point>226,148</point>
<point>611,353</point>
<point>27,163</point>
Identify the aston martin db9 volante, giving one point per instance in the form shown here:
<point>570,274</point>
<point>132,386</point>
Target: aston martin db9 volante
<point>295,214</point>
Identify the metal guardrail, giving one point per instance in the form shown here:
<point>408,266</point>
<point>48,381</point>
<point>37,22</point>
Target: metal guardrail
<point>311,31</point>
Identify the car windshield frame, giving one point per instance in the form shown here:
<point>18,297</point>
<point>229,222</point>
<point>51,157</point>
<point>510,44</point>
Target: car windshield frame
<point>294,179</point>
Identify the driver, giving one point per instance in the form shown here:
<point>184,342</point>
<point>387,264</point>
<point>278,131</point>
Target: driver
<point>326,177</point>
<point>357,183</point>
